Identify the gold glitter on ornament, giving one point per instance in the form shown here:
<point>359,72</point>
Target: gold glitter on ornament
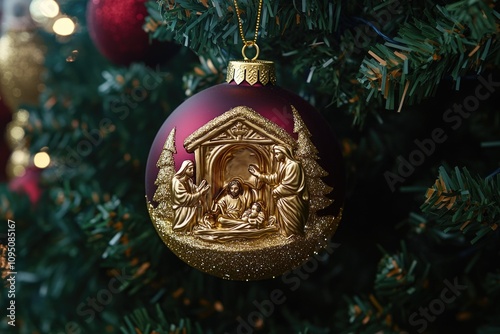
<point>253,214</point>
<point>245,260</point>
<point>21,65</point>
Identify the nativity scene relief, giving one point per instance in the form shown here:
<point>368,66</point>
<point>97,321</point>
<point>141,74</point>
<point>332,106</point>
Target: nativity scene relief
<point>249,178</point>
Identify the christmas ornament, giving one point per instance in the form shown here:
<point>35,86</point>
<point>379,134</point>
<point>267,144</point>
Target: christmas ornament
<point>21,57</point>
<point>245,180</point>
<point>116,28</point>
<point>28,184</point>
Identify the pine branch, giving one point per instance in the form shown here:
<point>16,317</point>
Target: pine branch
<point>141,322</point>
<point>466,203</point>
<point>211,26</point>
<point>303,35</point>
<point>97,122</point>
<point>366,315</point>
<point>209,72</point>
<point>399,286</point>
<point>326,52</point>
<point>399,276</point>
<point>450,40</point>
<point>426,225</point>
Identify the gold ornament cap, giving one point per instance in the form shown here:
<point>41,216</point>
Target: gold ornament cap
<point>251,71</point>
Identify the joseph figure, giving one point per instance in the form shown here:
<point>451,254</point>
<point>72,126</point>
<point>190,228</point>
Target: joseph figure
<point>289,190</point>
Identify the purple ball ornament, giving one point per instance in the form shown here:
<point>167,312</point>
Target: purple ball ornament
<point>245,180</point>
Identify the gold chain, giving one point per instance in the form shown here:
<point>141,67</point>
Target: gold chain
<point>257,25</point>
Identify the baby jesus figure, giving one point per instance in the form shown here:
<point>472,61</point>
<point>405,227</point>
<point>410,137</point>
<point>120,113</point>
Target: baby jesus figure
<point>252,218</point>
<point>252,224</point>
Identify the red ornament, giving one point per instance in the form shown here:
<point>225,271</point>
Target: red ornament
<point>116,28</point>
<point>28,183</point>
<point>274,149</point>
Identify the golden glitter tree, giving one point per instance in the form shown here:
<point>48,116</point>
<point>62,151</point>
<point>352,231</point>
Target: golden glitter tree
<point>166,165</point>
<point>307,153</point>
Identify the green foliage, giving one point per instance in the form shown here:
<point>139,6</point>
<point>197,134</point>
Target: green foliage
<point>206,74</point>
<point>397,289</point>
<point>319,40</point>
<point>365,315</point>
<point>462,202</point>
<point>399,275</point>
<point>139,321</point>
<point>97,121</point>
<point>424,225</point>
<point>211,27</point>
<point>451,40</point>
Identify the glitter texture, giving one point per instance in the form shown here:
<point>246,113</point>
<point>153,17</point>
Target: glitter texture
<point>21,65</point>
<point>266,257</point>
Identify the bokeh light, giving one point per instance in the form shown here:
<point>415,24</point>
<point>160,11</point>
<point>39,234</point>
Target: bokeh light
<point>43,10</point>
<point>17,133</point>
<point>41,160</point>
<point>64,26</point>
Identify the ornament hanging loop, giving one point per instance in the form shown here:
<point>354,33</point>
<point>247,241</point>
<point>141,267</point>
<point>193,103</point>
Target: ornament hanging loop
<point>250,44</point>
<point>246,43</point>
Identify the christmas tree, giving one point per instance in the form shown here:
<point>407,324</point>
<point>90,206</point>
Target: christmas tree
<point>308,154</point>
<point>409,88</point>
<point>164,180</point>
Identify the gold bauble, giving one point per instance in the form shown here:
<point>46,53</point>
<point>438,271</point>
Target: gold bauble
<point>21,66</point>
